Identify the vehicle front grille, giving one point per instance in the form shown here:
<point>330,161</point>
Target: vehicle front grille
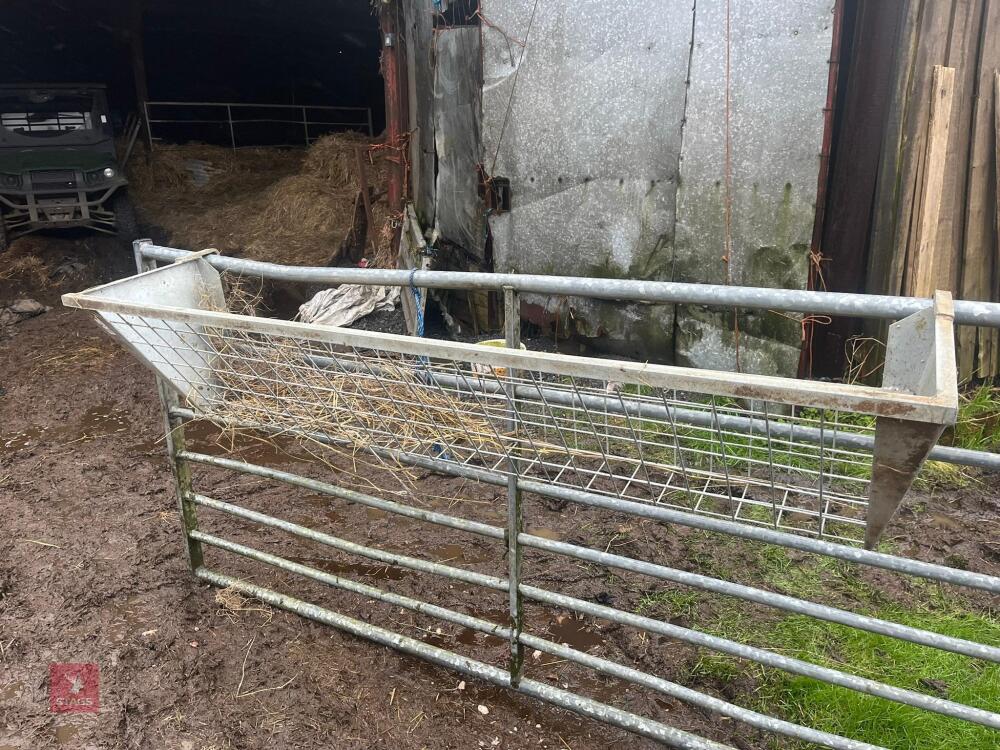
<point>57,179</point>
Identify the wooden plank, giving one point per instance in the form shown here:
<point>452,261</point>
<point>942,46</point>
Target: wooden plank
<point>963,55</point>
<point>883,241</point>
<point>996,136</point>
<point>851,205</point>
<point>977,347</point>
<point>931,50</point>
<point>994,368</point>
<point>923,272</point>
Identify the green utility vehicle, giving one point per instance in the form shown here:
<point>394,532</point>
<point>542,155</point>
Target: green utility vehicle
<point>58,165</point>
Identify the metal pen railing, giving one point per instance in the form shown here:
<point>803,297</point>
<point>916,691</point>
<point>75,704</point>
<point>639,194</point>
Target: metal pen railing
<point>310,122</point>
<point>772,460</point>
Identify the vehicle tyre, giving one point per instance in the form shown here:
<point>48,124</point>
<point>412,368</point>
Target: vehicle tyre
<point>4,242</point>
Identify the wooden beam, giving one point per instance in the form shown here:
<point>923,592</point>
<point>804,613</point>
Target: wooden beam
<point>932,42</point>
<point>996,133</point>
<point>923,269</point>
<point>396,95</point>
<point>977,346</point>
<point>963,56</point>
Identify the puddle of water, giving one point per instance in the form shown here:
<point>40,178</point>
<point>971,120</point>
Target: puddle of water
<point>374,514</point>
<point>596,688</point>
<point>468,636</point>
<point>551,534</point>
<point>325,506</point>
<point>98,421</point>
<point>11,691</point>
<point>354,570</point>
<point>574,632</point>
<point>206,437</point>
<point>456,553</point>
<point>65,733</point>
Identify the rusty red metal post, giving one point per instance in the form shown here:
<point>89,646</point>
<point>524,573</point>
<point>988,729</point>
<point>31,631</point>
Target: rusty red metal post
<point>396,105</point>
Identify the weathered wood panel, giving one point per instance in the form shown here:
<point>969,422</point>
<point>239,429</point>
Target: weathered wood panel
<point>461,216</point>
<point>921,278</point>
<point>977,348</point>
<point>419,15</point>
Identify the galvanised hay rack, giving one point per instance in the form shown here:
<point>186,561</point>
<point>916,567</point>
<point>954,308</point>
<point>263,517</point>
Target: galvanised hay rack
<point>767,459</point>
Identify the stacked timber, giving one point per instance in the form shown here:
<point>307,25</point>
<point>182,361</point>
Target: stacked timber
<point>936,214</point>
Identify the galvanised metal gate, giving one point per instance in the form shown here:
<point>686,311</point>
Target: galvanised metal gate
<point>773,460</point>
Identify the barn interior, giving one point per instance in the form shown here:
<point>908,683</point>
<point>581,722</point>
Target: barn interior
<point>378,134</point>
<point>227,51</point>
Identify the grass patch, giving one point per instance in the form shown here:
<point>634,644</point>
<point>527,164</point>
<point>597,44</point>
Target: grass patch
<point>894,662</point>
<point>861,717</point>
<point>669,603</point>
<point>881,722</point>
<point>978,426</point>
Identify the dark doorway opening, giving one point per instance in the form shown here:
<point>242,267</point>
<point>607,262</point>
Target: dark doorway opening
<point>308,53</point>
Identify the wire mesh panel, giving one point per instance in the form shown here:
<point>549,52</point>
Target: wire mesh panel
<point>782,453</point>
<point>748,461</point>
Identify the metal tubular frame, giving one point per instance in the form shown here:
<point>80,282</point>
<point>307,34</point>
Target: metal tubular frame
<point>514,473</point>
<point>520,639</point>
<point>821,491</point>
<point>721,645</point>
<point>984,314</point>
<point>972,313</point>
<point>365,122</point>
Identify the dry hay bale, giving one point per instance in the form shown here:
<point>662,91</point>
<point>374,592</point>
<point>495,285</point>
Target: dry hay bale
<point>165,178</point>
<point>333,158</point>
<point>282,206</point>
<point>308,205</point>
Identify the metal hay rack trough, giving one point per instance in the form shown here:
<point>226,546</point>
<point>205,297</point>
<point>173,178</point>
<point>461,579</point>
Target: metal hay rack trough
<point>817,467</point>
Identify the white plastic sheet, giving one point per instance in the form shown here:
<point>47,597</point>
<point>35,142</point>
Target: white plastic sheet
<point>348,303</point>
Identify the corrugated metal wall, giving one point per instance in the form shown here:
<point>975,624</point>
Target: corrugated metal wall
<point>655,139</point>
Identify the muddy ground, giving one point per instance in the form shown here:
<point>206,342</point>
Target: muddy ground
<point>92,570</point>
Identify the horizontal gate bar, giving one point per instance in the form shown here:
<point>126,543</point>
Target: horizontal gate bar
<point>770,599</point>
<point>585,706</point>
<point>397,600</point>
<point>769,658</point>
<point>904,565</point>
<point>768,723</point>
<point>390,558</point>
<point>314,485</point>
<point>706,583</point>
<point>694,637</point>
<point>661,292</point>
<point>918,568</point>
<point>613,669</point>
